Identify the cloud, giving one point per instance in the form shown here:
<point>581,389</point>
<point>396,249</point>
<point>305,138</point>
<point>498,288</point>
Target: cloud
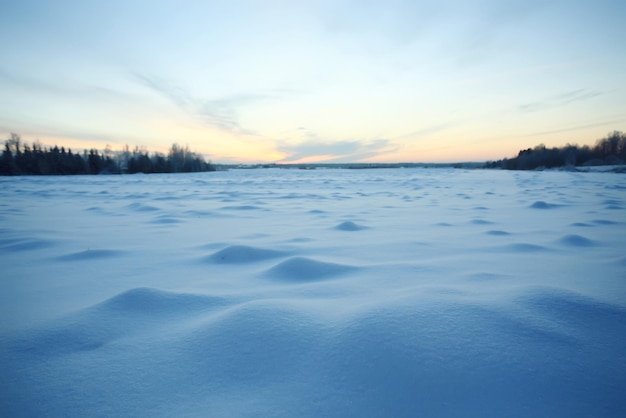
<point>221,113</point>
<point>224,112</point>
<point>318,149</point>
<point>61,88</point>
<point>52,107</point>
<point>174,94</point>
<point>579,127</point>
<point>49,134</point>
<point>559,100</point>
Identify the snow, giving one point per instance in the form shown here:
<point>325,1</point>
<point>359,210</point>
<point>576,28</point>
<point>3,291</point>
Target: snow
<point>274,292</point>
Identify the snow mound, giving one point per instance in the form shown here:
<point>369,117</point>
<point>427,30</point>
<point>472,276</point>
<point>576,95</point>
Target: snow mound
<point>481,222</point>
<point>604,222</point>
<point>393,355</point>
<point>524,247</point>
<point>130,315</point>
<point>497,232</point>
<point>577,314</point>
<point>349,226</point>
<point>574,240</point>
<point>165,220</point>
<point>140,207</point>
<point>582,224</point>
<point>237,254</point>
<point>614,204</point>
<point>302,269</point>
<point>413,318</point>
<point>540,204</point>
<point>150,301</point>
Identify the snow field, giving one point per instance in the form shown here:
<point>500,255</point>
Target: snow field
<point>406,292</point>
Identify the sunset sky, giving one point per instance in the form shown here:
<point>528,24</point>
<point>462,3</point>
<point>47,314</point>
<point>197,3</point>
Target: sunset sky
<point>304,81</point>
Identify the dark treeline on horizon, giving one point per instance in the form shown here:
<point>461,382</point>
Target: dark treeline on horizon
<point>610,150</point>
<point>20,158</point>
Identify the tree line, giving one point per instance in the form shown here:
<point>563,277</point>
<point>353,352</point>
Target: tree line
<point>20,158</point>
<point>610,150</point>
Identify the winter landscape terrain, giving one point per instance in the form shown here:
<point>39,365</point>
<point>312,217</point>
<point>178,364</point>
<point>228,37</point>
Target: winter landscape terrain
<point>274,292</point>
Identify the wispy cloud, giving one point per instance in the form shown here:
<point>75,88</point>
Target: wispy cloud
<point>44,85</point>
<point>579,127</point>
<point>172,93</point>
<point>334,151</point>
<point>46,132</point>
<point>560,100</point>
<point>58,107</point>
<point>224,112</point>
<point>221,113</point>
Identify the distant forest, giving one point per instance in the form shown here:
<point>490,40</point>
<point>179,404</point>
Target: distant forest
<point>610,150</point>
<point>20,158</point>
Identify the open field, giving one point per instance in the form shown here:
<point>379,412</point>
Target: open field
<point>272,292</point>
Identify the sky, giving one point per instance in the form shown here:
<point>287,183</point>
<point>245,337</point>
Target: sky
<point>314,81</point>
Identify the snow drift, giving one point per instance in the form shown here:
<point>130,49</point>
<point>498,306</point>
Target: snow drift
<point>314,293</point>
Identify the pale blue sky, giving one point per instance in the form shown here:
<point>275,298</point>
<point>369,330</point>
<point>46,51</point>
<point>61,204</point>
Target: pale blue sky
<point>261,81</point>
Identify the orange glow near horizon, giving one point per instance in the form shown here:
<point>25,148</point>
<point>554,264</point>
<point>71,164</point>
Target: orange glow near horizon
<point>312,159</point>
<point>231,148</point>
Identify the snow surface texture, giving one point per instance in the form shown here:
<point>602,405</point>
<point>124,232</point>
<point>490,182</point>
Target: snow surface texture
<point>407,292</point>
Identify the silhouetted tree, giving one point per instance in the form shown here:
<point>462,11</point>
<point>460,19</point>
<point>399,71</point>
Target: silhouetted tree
<point>160,164</point>
<point>7,163</point>
<point>609,150</point>
<point>20,158</point>
<point>178,158</point>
